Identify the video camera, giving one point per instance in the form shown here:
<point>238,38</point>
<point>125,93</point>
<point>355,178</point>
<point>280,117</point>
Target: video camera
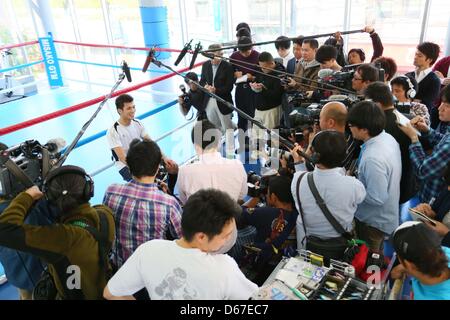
<point>185,96</point>
<point>257,185</point>
<point>30,159</point>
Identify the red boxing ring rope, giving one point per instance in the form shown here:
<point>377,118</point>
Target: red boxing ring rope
<point>85,104</point>
<point>11,46</point>
<point>116,47</point>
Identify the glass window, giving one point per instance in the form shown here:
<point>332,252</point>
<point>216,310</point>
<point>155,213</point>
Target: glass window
<point>398,24</point>
<point>438,22</point>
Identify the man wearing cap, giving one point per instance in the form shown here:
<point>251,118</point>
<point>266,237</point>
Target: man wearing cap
<point>421,256</point>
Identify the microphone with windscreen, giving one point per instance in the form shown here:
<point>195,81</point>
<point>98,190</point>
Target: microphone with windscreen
<point>183,52</point>
<point>126,71</point>
<point>198,48</point>
<point>325,73</point>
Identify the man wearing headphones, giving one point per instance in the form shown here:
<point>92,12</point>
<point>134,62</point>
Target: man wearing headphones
<point>404,90</point>
<point>76,246</point>
<point>341,194</point>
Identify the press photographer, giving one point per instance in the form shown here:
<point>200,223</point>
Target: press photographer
<point>274,223</point>
<point>327,184</point>
<point>75,247</point>
<point>192,98</point>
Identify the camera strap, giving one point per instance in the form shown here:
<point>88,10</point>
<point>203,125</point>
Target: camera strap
<point>326,212</point>
<point>300,204</point>
<point>16,170</point>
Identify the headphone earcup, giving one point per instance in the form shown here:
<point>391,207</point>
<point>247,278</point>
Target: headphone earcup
<point>315,158</point>
<point>411,93</point>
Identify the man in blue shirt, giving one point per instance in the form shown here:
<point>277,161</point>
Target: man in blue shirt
<point>379,169</point>
<point>421,256</point>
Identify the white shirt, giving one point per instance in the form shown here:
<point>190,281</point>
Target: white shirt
<point>121,136</point>
<point>287,58</point>
<point>213,171</point>
<point>171,272</point>
<point>422,74</point>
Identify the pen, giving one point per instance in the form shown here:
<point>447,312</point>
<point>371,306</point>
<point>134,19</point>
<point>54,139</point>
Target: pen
<point>296,292</point>
<point>432,201</point>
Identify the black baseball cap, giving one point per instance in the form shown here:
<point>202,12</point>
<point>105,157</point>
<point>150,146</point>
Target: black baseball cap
<point>413,240</point>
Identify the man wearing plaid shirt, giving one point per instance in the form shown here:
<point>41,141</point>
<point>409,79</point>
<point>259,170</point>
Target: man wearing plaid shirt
<point>429,169</point>
<point>142,212</point>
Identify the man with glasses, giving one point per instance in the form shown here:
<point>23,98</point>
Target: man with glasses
<point>364,75</point>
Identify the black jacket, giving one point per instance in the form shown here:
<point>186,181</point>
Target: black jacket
<point>408,184</point>
<point>223,82</point>
<point>270,97</point>
<point>429,88</point>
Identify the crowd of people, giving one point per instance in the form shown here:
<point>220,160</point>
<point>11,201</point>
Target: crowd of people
<point>191,238</point>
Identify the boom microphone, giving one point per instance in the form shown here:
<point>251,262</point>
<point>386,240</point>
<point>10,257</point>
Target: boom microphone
<point>325,73</point>
<point>126,70</point>
<point>150,56</point>
<point>55,145</point>
<point>183,52</point>
<point>198,48</point>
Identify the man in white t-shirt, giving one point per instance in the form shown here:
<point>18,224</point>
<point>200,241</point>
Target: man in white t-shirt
<point>186,269</point>
<point>125,130</point>
<point>211,170</point>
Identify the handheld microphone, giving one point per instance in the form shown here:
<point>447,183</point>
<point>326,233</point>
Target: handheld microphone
<point>198,48</point>
<point>126,70</point>
<point>183,88</point>
<point>183,52</point>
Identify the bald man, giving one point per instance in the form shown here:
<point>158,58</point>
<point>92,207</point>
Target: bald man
<point>333,116</point>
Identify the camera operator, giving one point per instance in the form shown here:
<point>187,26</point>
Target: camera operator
<point>364,75</point>
<point>23,270</point>
<point>326,55</point>
<point>340,193</point>
<point>193,98</point>
<point>333,116</point>
<point>380,93</point>
<point>404,90</point>
<point>388,65</point>
<point>211,170</point>
<point>81,236</point>
<point>142,211</point>
<point>274,223</point>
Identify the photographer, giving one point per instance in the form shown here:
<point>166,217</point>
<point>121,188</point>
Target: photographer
<point>326,55</point>
<point>79,240</point>
<point>142,212</point>
<point>194,98</point>
<point>274,223</point>
<point>341,194</point>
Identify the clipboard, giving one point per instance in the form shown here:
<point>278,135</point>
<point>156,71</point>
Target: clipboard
<point>419,216</point>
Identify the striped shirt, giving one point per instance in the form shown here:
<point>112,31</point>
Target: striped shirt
<point>142,212</point>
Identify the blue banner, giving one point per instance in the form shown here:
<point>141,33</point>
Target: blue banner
<point>51,62</point>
